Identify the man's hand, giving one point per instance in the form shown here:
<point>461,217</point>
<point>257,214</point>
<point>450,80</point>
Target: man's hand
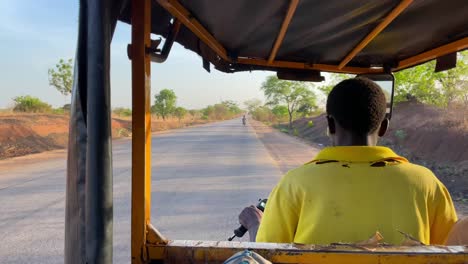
<point>250,218</point>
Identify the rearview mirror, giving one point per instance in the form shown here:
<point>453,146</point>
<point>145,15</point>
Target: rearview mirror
<point>387,83</point>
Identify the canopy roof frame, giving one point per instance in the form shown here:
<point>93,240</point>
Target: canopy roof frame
<point>382,25</point>
<point>284,27</point>
<point>178,11</point>
<point>456,46</point>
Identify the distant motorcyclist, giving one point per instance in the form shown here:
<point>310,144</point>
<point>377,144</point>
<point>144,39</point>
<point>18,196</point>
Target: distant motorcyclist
<point>244,120</point>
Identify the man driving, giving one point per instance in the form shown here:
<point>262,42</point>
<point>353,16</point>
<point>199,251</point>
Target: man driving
<point>354,188</point>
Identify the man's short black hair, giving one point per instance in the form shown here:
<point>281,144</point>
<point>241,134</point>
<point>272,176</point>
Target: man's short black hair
<point>358,105</point>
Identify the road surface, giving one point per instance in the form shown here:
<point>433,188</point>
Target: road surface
<point>202,178</point>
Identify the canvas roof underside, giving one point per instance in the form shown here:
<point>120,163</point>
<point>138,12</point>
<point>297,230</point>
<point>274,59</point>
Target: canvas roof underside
<point>320,32</point>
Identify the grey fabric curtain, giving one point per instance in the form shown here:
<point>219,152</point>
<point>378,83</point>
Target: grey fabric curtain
<point>89,207</point>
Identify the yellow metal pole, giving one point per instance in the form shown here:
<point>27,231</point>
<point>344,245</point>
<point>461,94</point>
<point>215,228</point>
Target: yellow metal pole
<point>434,53</point>
<point>141,127</point>
<point>284,27</point>
<point>381,26</point>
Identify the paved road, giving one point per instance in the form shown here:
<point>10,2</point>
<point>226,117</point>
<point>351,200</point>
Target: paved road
<point>202,178</point>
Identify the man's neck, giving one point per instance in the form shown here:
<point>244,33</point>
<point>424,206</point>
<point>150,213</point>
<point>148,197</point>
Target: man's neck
<point>354,140</point>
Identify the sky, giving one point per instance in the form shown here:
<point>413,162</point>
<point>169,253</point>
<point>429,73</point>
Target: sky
<point>34,35</point>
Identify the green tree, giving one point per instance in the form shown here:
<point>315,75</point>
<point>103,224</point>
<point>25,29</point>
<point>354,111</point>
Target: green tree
<point>334,79</point>
<point>30,104</point>
<point>232,106</point>
<point>264,114</point>
<point>440,89</point>
<point>180,112</point>
<point>208,112</point>
<point>61,77</point>
<point>164,103</point>
<point>252,104</point>
<point>307,106</point>
<point>221,111</point>
<point>464,94</point>
<point>454,82</point>
<point>280,112</point>
<point>418,82</point>
<point>289,93</point>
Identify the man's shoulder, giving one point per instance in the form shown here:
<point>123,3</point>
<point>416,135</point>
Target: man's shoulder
<point>415,170</point>
<point>309,170</point>
<point>324,168</point>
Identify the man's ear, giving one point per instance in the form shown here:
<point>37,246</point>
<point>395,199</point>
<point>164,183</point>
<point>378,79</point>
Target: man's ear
<point>384,127</point>
<point>331,125</point>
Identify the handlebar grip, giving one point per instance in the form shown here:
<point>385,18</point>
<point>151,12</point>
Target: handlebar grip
<point>240,232</point>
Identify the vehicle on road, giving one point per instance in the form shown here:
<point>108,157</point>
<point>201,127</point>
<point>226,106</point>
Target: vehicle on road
<point>296,39</point>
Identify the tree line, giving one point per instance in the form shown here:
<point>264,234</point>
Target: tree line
<point>164,106</point>
<point>287,100</point>
<point>445,89</point>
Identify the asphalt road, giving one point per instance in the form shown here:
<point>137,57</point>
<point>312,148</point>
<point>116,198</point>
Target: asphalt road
<point>202,178</point>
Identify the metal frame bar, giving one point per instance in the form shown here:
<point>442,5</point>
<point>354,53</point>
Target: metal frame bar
<point>434,53</point>
<point>284,28</point>
<point>178,11</point>
<point>141,128</point>
<point>307,66</point>
<point>382,25</point>
<point>189,251</point>
<point>161,57</point>
<point>181,13</point>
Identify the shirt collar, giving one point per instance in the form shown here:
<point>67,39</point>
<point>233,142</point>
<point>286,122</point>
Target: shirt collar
<point>358,154</point>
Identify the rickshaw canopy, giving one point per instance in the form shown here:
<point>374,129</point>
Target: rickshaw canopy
<point>354,36</point>
<point>297,39</point>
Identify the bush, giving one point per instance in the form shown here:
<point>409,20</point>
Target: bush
<point>310,123</point>
<point>180,112</point>
<point>263,114</point>
<point>66,107</point>
<point>222,111</point>
<point>296,132</point>
<point>280,112</point>
<point>122,111</point>
<point>195,113</point>
<point>59,111</point>
<point>30,104</point>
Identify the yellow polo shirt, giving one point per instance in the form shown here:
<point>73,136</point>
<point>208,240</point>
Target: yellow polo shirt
<point>346,194</point>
